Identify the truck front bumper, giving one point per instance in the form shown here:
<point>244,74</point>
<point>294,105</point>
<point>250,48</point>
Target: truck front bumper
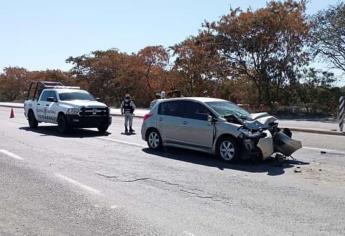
<point>76,121</point>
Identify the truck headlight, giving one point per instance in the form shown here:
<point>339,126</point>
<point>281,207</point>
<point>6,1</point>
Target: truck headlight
<point>73,111</point>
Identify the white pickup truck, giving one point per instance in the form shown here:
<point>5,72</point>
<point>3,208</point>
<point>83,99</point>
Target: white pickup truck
<point>68,107</point>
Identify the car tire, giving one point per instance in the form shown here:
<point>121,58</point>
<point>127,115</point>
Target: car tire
<point>63,126</point>
<point>227,149</point>
<point>154,140</point>
<point>33,123</point>
<point>102,128</point>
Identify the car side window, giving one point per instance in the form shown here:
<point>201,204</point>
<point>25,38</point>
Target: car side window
<point>196,111</point>
<point>44,96</point>
<point>47,94</point>
<point>172,108</point>
<point>53,95</point>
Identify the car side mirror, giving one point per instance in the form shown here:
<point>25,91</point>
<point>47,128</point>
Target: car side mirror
<point>98,99</point>
<point>211,119</point>
<point>51,99</point>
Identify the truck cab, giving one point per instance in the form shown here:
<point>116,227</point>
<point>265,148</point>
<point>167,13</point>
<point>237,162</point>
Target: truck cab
<point>68,107</point>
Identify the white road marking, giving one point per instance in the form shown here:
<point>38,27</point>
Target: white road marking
<point>123,142</point>
<point>326,150</point>
<point>83,186</point>
<point>10,154</point>
<point>188,233</point>
<point>113,206</point>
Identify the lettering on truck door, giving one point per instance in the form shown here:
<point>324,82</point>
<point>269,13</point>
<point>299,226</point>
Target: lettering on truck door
<point>41,106</point>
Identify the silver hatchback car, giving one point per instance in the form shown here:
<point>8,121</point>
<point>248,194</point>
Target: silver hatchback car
<point>215,126</point>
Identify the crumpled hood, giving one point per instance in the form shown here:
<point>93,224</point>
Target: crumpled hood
<point>263,117</point>
<point>259,121</point>
<point>84,103</point>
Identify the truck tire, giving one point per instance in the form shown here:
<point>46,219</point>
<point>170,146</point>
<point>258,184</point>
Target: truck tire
<point>63,126</point>
<point>33,123</point>
<point>102,128</point>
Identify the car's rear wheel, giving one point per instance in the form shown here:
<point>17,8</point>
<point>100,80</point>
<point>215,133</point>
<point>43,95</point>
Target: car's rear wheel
<point>154,140</point>
<point>227,149</point>
<point>63,126</point>
<point>33,123</point>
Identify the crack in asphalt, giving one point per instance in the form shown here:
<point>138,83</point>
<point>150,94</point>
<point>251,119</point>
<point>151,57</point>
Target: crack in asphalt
<point>191,192</point>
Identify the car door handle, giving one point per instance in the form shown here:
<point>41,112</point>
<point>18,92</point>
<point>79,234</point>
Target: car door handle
<point>47,105</point>
<point>160,119</point>
<point>38,104</point>
<point>184,122</point>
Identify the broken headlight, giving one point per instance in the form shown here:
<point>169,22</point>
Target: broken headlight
<point>246,133</point>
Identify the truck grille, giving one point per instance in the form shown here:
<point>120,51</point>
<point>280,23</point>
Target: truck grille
<point>94,111</point>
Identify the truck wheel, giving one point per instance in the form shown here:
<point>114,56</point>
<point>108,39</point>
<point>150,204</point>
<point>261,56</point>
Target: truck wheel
<point>63,126</point>
<point>227,149</point>
<point>102,129</point>
<point>33,123</point>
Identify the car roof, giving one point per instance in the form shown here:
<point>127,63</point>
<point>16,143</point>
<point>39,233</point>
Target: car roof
<point>199,99</point>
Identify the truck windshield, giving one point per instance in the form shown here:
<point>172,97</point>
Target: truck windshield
<point>228,108</point>
<point>68,96</point>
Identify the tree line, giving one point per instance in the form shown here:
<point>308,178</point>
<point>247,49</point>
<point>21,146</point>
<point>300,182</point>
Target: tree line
<point>260,58</point>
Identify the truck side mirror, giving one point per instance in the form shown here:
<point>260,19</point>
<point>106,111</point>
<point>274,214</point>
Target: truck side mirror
<point>51,99</point>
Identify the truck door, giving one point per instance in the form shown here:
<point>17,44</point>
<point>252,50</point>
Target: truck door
<point>45,109</point>
<point>52,107</point>
<point>41,106</point>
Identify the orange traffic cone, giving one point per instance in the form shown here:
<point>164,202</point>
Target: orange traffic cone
<point>12,113</point>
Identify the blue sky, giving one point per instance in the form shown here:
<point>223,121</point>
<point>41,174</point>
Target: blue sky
<point>41,34</point>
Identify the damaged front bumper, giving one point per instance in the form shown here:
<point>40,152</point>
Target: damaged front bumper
<point>279,142</point>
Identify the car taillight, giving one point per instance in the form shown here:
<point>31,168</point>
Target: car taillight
<point>146,116</point>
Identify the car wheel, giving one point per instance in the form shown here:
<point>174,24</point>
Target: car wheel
<point>33,123</point>
<point>103,128</point>
<point>154,140</point>
<point>62,124</point>
<point>227,149</point>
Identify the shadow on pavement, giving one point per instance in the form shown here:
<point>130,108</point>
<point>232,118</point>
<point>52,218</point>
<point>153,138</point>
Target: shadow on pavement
<point>271,166</point>
<point>75,133</point>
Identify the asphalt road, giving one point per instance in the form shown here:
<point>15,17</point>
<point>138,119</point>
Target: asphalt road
<point>87,184</point>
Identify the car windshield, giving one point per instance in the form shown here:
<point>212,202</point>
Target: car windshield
<point>78,95</point>
<point>226,108</point>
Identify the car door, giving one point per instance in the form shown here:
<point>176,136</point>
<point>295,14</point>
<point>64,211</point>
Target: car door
<point>169,120</point>
<point>196,131</point>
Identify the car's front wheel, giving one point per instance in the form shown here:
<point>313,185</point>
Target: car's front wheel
<point>227,149</point>
<point>33,123</point>
<point>154,140</point>
<point>63,126</point>
<point>102,128</point>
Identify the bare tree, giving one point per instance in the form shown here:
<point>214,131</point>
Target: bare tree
<point>328,35</point>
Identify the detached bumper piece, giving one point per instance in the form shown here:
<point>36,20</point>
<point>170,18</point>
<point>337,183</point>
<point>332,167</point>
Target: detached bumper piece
<point>285,145</point>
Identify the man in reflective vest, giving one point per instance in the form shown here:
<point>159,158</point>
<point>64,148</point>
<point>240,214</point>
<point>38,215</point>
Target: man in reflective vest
<point>127,109</point>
